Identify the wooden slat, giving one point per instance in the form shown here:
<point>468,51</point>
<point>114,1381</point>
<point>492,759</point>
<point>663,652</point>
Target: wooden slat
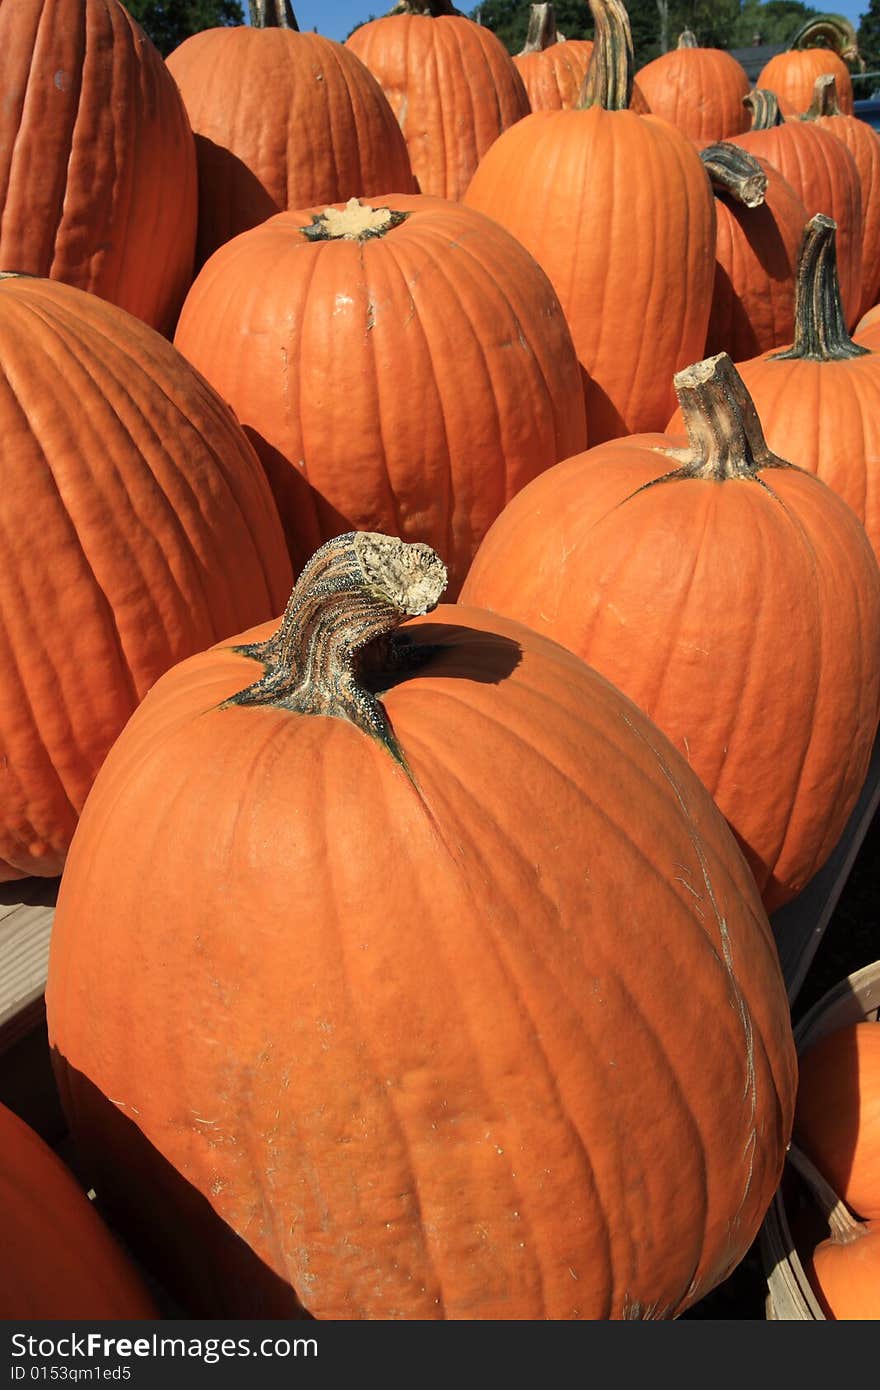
<point>27,908</point>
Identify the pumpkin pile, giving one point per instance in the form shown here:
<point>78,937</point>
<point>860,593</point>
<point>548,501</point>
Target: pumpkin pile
<point>421,722</point>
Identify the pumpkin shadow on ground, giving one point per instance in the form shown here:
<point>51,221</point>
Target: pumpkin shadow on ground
<point>202,1268</point>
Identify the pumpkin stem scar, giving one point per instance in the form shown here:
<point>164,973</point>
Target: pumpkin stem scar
<point>820,331</point>
<point>340,625</point>
<point>355,222</point>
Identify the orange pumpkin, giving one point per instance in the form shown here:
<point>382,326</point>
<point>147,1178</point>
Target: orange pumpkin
<point>838,1113</point>
<point>844,1268</point>
<point>792,74</point>
<point>679,576</point>
<point>553,72</point>
<point>421,1071</point>
<point>618,211</point>
<point>97,162</point>
<point>59,1259</point>
<point>138,528</point>
<point>699,90</point>
<point>448,382</point>
<point>282,120</point>
<point>452,86</point>
<point>825,177</point>
<point>864,146</point>
<point>760,222</point>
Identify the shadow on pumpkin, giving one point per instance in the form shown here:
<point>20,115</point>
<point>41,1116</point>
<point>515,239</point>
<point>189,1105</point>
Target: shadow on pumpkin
<point>170,1229</point>
<point>231,198</point>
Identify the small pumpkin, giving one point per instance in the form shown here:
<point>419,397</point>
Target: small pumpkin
<point>844,1267</point>
<point>823,44</point>
<point>837,1121</point>
<point>420,1072</point>
<point>699,90</point>
<point>703,581</point>
<point>59,1259</point>
<point>552,71</point>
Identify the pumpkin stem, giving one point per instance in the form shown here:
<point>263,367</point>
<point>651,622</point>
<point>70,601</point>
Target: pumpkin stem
<point>356,590</point>
<point>542,30</point>
<point>734,173</point>
<point>272,14</point>
<point>687,39</point>
<point>355,222</point>
<point>835,32</point>
<point>764,106</point>
<point>432,8</point>
<point>820,331</point>
<point>825,102</point>
<point>842,1224</point>
<point>725,434</point>
<point>608,81</point>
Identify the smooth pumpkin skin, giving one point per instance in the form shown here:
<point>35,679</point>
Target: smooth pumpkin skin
<point>138,527</point>
<point>554,76</point>
<point>698,90</point>
<point>868,320</point>
<point>756,253</point>
<point>282,120</point>
<point>448,382</point>
<point>453,87</point>
<point>825,177</point>
<point>703,601</point>
<point>97,162</point>
<point>421,1042</point>
<point>59,1259</point>
<point>846,1277</point>
<point>631,257</point>
<point>838,1113</point>
<point>792,76</point>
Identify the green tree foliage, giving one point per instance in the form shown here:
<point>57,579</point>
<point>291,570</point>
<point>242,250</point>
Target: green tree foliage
<point>169,22</point>
<point>869,37</point>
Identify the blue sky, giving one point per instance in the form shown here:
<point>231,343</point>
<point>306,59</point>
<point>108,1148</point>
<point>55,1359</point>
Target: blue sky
<point>336,18</point>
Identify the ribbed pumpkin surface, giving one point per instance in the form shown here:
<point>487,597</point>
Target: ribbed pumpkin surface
<point>699,90</point>
<point>97,162</point>
<point>137,528</point>
<point>452,86</point>
<point>554,76</point>
<point>282,120</point>
<point>863,144</point>
<point>421,1041</point>
<point>59,1260</point>
<point>448,381</point>
<point>791,76</point>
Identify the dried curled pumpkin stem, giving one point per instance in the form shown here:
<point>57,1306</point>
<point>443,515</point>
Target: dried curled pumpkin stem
<point>734,173</point>
<point>842,1224</point>
<point>820,331</point>
<point>608,81</point>
<point>687,39</point>
<point>825,101</point>
<point>542,30</point>
<point>835,32</point>
<point>432,8</point>
<point>764,106</point>
<point>355,591</point>
<point>725,434</point>
<point>272,14</point>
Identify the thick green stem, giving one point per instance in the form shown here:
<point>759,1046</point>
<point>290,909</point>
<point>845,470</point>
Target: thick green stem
<point>542,30</point>
<point>725,434</point>
<point>687,39</point>
<point>272,14</point>
<point>608,81</point>
<point>842,1224</point>
<point>820,331</point>
<point>824,101</point>
<point>764,106</point>
<point>834,32</point>
<point>353,593</point>
<point>734,173</point>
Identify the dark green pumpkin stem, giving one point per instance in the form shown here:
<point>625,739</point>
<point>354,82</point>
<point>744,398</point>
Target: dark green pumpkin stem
<point>842,1224</point>
<point>734,173</point>
<point>687,39</point>
<point>354,592</point>
<point>608,81</point>
<point>764,106</point>
<point>825,102</point>
<point>542,30</point>
<point>835,33</point>
<point>725,434</point>
<point>272,14</point>
<point>820,331</point>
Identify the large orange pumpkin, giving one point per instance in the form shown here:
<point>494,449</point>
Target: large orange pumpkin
<point>864,146</point>
<point>825,177</point>
<point>282,119</point>
<point>97,161</point>
<point>618,210</point>
<point>732,596</point>
<point>819,399</point>
<point>792,74</point>
<point>448,381</point>
<point>59,1260</point>
<point>760,223</point>
<point>451,83</point>
<point>837,1120</point>
<point>138,527</point>
<point>384,991</point>
<point>699,90</point>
